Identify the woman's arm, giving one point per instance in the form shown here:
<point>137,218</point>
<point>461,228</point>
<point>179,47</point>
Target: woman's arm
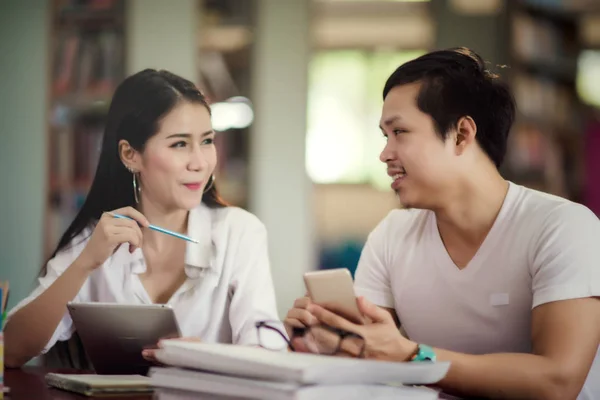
<point>253,291</point>
<point>30,328</point>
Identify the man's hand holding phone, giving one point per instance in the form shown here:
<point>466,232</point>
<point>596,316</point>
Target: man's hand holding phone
<point>298,316</point>
<point>330,289</point>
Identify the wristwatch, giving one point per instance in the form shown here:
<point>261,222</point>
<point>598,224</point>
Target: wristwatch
<point>423,353</point>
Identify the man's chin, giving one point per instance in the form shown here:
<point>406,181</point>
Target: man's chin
<point>403,203</point>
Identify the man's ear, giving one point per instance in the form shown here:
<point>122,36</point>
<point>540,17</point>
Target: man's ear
<point>466,130</point>
<point>130,157</point>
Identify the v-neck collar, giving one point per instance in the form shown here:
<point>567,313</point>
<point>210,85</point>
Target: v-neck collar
<point>443,259</point>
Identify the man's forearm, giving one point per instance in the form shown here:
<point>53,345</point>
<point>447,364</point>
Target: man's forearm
<point>506,376</point>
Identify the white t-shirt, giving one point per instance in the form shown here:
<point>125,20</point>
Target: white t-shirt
<point>540,249</point>
<point>228,287</point>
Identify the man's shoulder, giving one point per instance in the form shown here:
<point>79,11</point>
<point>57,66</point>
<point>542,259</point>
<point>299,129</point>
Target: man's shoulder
<point>554,225</point>
<point>538,200</point>
<point>540,209</point>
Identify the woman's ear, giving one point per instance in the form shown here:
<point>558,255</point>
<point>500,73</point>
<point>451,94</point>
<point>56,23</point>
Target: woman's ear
<point>466,130</point>
<point>129,156</point>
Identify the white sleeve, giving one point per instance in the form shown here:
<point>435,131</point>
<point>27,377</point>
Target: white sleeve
<point>253,297</point>
<point>54,268</point>
<point>372,278</point>
<point>566,258</point>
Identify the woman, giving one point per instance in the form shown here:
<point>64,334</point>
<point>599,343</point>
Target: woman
<point>157,164</point>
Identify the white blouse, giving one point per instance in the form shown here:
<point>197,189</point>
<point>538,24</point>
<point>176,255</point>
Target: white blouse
<point>228,288</point>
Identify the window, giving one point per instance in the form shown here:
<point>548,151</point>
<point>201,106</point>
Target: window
<point>344,107</point>
<point>588,77</point>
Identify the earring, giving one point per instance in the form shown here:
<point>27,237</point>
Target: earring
<point>136,187</point>
<point>211,184</point>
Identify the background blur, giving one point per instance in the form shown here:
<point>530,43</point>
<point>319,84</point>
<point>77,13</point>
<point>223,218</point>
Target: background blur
<point>296,87</point>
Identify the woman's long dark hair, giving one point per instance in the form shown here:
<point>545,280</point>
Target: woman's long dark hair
<point>138,105</point>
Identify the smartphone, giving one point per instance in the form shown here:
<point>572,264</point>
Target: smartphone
<point>334,290</point>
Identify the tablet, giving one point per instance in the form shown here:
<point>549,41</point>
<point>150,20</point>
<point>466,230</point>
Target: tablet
<point>114,335</point>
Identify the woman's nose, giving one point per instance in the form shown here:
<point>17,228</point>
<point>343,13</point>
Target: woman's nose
<point>197,160</point>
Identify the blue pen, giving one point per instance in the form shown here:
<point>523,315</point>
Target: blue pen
<point>159,229</point>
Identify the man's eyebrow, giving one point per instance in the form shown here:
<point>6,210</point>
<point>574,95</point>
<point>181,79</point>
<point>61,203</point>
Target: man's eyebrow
<point>389,121</point>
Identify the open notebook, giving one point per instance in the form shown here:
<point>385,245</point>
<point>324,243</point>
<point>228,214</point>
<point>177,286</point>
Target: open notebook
<point>251,362</point>
<point>100,385</point>
<point>188,384</point>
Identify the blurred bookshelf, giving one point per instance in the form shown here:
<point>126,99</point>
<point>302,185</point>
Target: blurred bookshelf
<point>546,144</point>
<point>87,62</point>
<point>225,54</point>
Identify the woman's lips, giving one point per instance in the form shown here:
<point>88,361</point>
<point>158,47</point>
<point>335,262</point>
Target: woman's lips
<point>193,186</point>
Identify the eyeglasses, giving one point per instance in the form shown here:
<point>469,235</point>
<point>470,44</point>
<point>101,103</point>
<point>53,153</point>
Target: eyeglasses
<point>319,339</point>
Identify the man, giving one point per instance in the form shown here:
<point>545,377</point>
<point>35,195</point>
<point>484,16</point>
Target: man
<point>500,280</point>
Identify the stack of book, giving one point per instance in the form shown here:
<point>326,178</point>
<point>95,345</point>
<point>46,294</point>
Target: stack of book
<point>221,371</point>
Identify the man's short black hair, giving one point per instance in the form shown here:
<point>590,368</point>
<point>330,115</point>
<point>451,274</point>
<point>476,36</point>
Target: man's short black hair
<point>455,84</point>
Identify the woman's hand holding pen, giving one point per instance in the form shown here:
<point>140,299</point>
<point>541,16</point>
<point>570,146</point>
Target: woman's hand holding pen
<point>111,232</point>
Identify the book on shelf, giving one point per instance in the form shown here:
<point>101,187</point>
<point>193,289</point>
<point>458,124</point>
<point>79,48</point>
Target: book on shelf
<point>90,64</point>
<point>87,145</point>
<point>74,158</point>
<point>545,102</point>
<point>66,7</point>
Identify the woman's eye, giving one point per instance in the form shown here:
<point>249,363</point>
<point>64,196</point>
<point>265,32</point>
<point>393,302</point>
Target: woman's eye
<point>208,141</point>
<point>399,131</point>
<point>179,144</point>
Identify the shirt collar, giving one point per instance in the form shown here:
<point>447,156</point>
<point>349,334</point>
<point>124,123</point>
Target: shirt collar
<point>198,256</point>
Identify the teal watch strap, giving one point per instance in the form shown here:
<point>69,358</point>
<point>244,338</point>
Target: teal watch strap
<point>424,353</point>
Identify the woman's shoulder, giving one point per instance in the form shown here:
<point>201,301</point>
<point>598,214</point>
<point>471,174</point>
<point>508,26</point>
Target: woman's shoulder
<point>78,242</point>
<point>225,222</point>
<point>236,218</point>
<point>69,252</point>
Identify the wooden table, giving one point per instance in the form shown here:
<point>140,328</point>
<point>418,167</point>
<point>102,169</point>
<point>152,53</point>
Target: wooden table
<point>29,384</point>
